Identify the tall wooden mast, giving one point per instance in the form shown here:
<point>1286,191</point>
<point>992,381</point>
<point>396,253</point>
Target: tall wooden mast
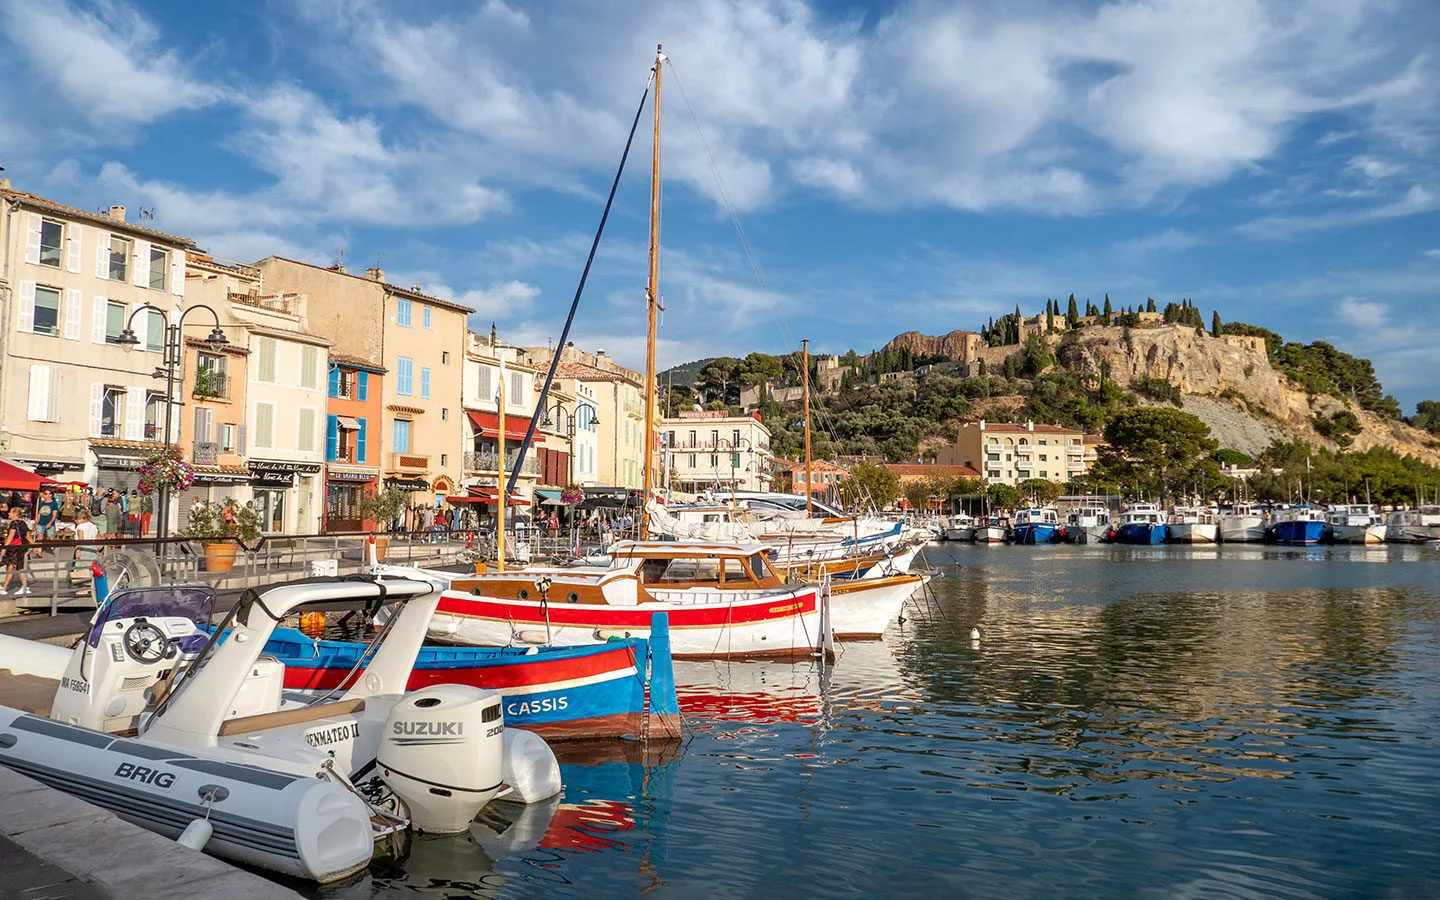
<point>809,486</point>
<point>500,498</point>
<point>652,303</point>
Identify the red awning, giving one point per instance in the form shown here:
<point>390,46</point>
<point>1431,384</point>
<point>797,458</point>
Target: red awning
<point>488,495</point>
<point>14,478</point>
<point>488,424</point>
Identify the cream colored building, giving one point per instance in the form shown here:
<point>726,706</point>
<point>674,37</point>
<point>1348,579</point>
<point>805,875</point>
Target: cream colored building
<point>74,403</point>
<point>619,407</point>
<point>1009,453</point>
<point>480,399</point>
<point>419,340</point>
<point>711,449</point>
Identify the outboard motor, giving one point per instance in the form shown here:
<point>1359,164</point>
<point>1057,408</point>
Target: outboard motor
<point>441,753</point>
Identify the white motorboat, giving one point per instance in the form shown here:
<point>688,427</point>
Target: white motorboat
<point>865,607</point>
<point>960,527</point>
<point>188,732</point>
<point>1086,525</point>
<point>1355,523</point>
<point>991,530</point>
<point>1413,526</point>
<point>1192,525</point>
<point>1242,524</point>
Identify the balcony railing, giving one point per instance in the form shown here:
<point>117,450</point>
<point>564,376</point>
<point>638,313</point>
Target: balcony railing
<point>486,460</point>
<point>407,463</point>
<point>211,385</point>
<point>205,453</point>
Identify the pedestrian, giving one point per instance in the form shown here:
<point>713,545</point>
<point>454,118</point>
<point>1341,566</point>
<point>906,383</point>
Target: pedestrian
<point>85,530</point>
<point>47,515</point>
<point>113,513</point>
<point>17,536</point>
<point>195,507</point>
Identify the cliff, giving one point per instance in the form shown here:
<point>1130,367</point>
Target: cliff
<point>951,346</point>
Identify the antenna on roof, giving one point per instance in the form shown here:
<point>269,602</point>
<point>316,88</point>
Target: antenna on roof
<point>340,257</point>
<point>147,212</point>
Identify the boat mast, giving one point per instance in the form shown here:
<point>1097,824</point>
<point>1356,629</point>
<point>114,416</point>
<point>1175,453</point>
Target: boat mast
<point>500,459</point>
<point>652,303</point>
<point>805,368</point>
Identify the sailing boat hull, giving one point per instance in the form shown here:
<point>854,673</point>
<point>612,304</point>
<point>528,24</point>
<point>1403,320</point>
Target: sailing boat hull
<point>785,625</point>
<point>864,609</point>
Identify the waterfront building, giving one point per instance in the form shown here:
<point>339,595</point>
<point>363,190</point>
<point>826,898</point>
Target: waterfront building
<point>355,390</point>
<point>615,414</point>
<point>481,401</point>
<point>711,449</point>
<point>1009,453</point>
<point>419,340</point>
<point>78,405</point>
<point>825,477</point>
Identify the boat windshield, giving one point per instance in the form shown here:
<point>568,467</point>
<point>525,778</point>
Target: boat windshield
<point>190,601</point>
<point>694,570</point>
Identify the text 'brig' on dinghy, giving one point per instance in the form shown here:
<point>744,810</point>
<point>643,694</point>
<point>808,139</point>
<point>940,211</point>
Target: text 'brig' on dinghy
<point>186,732</point>
<point>721,599</point>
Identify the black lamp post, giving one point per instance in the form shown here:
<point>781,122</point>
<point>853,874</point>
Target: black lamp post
<point>560,415</point>
<point>172,359</point>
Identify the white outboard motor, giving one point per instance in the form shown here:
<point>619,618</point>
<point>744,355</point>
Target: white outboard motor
<point>441,753</point>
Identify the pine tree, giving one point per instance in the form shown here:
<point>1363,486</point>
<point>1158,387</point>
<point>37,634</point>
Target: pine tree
<point>1072,315</point>
<point>1215,323</point>
<point>983,373</point>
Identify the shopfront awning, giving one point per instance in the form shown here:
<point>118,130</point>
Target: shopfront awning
<point>408,484</point>
<point>488,495</point>
<point>548,497</point>
<point>488,424</point>
<point>14,478</point>
<point>348,423</point>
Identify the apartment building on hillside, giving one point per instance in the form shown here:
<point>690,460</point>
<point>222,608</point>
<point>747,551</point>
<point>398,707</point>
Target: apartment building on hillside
<point>1009,453</point>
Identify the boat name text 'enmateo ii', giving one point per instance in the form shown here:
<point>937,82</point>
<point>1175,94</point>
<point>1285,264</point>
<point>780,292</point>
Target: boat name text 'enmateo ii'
<point>324,737</point>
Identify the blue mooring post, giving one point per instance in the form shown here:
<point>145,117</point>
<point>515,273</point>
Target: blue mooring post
<point>664,709</point>
<point>100,584</point>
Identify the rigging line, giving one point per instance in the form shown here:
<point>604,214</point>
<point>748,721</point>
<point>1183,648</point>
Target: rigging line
<point>575,303</point>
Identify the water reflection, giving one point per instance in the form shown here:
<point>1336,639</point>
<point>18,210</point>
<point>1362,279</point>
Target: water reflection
<point>1232,721</point>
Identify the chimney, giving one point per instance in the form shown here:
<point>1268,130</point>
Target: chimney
<point>117,213</point>
<point>4,184</point>
<point>375,275</point>
<point>1029,424</point>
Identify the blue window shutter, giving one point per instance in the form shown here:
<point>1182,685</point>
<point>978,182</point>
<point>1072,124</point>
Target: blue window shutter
<point>363,386</point>
<point>402,312</point>
<point>335,382</point>
<point>425,382</point>
<point>405,376</point>
<point>402,436</point>
<point>360,440</point>
<point>332,436</point>
<point>425,314</point>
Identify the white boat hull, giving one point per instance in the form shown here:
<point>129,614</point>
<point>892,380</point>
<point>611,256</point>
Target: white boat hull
<point>990,534</point>
<point>864,609</point>
<point>960,534</point>
<point>1193,532</point>
<point>898,564</point>
<point>1358,534</point>
<point>1242,529</point>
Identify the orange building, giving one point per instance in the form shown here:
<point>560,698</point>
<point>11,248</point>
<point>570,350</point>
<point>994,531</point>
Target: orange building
<point>212,428</point>
<point>825,477</point>
<point>352,444</point>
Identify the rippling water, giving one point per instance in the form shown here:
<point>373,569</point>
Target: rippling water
<point>1134,721</point>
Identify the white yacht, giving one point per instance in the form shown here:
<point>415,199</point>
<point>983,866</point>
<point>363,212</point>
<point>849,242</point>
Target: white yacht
<point>1193,525</point>
<point>960,527</point>
<point>1243,523</point>
<point>1357,523</point>
<point>1087,525</point>
<point>1410,526</point>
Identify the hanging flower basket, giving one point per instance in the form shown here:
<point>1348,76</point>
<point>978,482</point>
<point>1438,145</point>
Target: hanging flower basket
<point>571,495</point>
<point>165,469</point>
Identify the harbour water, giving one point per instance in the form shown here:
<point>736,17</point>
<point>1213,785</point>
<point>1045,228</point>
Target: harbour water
<point>1232,721</point>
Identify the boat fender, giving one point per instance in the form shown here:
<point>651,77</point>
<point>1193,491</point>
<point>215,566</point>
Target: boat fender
<point>196,835</point>
<point>531,636</point>
<point>530,767</point>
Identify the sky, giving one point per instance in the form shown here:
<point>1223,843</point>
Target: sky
<point>891,166</point>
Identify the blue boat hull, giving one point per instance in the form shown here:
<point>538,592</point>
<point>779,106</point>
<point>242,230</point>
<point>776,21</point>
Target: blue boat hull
<point>1137,533</point>
<point>1041,533</point>
<point>1298,533</point>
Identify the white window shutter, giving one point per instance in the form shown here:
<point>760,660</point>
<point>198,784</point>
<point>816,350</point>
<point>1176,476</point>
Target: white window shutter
<point>98,320</point>
<point>32,238</point>
<point>97,407</point>
<point>25,317</point>
<point>72,246</point>
<point>39,393</point>
<point>177,273</point>
<point>74,311</point>
<point>52,407</point>
<point>134,414</point>
<point>142,264</point>
<point>102,254</point>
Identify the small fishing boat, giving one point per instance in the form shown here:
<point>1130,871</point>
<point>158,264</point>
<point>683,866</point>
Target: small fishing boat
<point>722,600</point>
<point>991,530</point>
<point>1192,525</point>
<point>1036,525</point>
<point>1356,523</point>
<point>188,733</point>
<point>1298,526</point>
<point>556,692</point>
<point>863,609</point>
<point>1086,525</point>
<point>1242,524</point>
<point>1413,526</point>
<point>1141,523</point>
<point>960,527</point>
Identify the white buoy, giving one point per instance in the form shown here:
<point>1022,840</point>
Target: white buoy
<point>196,835</point>
<point>975,634</point>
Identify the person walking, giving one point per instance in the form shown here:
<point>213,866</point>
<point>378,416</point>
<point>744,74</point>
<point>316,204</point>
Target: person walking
<point>17,536</point>
<point>47,516</point>
<point>113,514</point>
<point>85,530</point>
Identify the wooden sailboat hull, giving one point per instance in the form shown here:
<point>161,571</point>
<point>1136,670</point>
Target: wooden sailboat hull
<point>863,609</point>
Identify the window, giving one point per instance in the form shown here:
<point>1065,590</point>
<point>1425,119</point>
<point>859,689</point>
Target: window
<point>405,376</point>
<point>47,311</point>
<point>714,438</point>
<point>114,321</point>
<point>265,367</point>
<point>309,363</point>
<point>112,412</point>
<point>362,386</point>
<point>517,389</point>
<point>44,394</point>
<point>714,460</point>
<point>154,330</point>
<point>444,457</point>
<point>154,415</point>
<point>425,316</point>
<point>401,437</point>
<point>402,312</point>
<point>444,357</point>
<point>225,436</point>
<point>159,268</point>
<point>307,430</point>
<point>484,393</point>
<point>265,425</point>
<point>444,414</point>
<point>425,382</point>
<point>119,262</point>
<point>692,439</point>
<point>51,239</point>
<point>692,460</point>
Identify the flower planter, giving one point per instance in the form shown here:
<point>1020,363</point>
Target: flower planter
<point>220,556</point>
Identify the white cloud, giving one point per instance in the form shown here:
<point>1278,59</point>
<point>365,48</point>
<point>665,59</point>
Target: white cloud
<point>1433,254</point>
<point>1375,168</point>
<point>1417,199</point>
<point>1362,313</point>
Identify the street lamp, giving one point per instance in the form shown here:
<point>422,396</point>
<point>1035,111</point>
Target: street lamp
<point>735,446</point>
<point>570,420</point>
<point>172,358</point>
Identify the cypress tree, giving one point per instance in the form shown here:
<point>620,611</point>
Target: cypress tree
<point>1049,318</point>
<point>1105,316</point>
<point>983,373</point>
<point>1072,315</point>
<point>1010,367</point>
<point>1215,323</point>
<point>1150,304</point>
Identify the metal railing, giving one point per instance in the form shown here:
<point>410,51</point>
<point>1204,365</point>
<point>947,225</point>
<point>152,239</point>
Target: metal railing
<point>486,460</point>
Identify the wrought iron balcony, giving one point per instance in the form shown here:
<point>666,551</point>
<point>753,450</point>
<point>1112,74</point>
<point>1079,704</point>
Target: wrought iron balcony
<point>486,460</point>
<point>205,453</point>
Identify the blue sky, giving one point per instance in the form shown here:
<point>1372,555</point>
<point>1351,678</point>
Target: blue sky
<point>895,166</point>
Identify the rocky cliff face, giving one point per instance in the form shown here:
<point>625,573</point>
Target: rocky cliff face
<point>951,346</point>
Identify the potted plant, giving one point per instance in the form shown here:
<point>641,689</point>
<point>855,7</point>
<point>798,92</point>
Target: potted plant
<point>383,507</point>
<point>209,384</point>
<point>165,469</point>
<point>218,527</point>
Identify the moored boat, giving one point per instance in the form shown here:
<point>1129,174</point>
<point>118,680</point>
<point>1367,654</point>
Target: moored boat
<point>991,530</point>
<point>1355,523</point>
<point>1413,525</point>
<point>1037,525</point>
<point>1141,523</point>
<point>1192,525</point>
<point>1086,525</point>
<point>960,527</point>
<point>1242,524</point>
<point>1298,526</point>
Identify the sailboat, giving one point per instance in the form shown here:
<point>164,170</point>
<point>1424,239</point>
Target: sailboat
<point>722,598</point>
